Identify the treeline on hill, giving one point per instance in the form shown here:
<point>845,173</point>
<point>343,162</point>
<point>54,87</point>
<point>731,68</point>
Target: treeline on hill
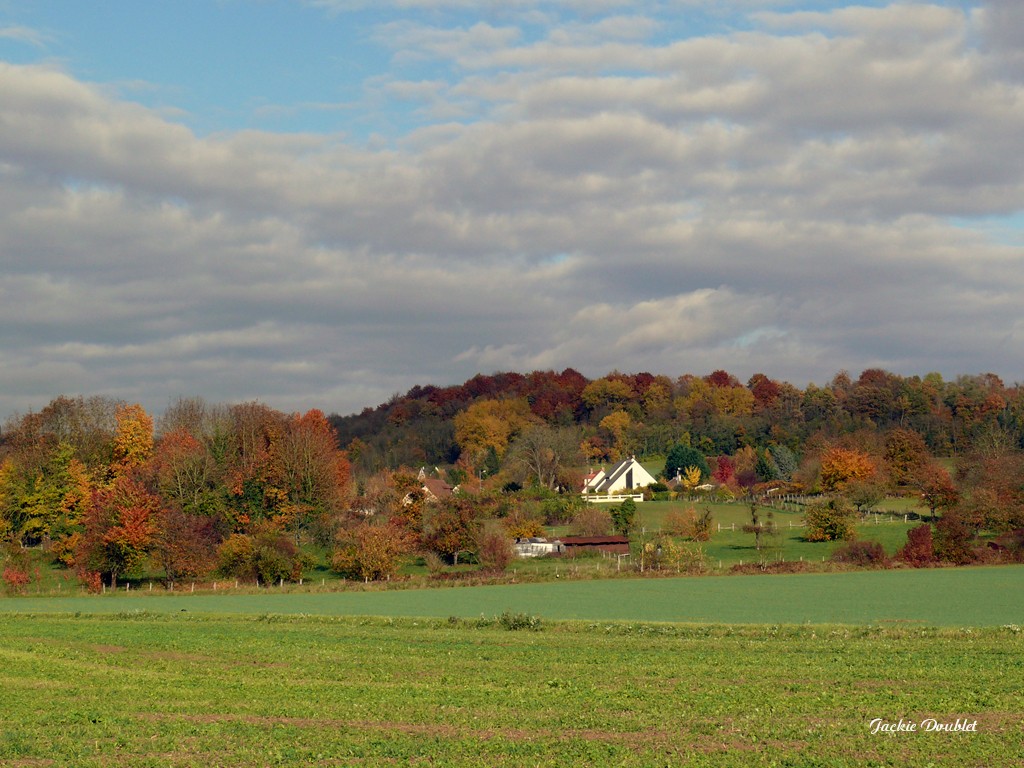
<point>246,491</point>
<point>646,414</point>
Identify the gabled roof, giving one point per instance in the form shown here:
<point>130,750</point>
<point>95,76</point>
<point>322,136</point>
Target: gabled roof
<point>620,469</point>
<point>437,488</point>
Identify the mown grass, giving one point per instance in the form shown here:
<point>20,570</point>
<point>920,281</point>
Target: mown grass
<point>185,690</point>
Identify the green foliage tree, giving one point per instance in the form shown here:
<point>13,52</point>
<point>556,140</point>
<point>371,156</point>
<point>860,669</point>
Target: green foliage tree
<point>865,495</point>
<point>681,457</point>
<point>623,517</point>
<point>829,520</point>
<point>267,556</point>
<point>784,460</point>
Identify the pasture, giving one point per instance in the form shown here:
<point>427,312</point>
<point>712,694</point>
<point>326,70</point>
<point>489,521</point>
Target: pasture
<point>185,689</point>
<point>952,597</point>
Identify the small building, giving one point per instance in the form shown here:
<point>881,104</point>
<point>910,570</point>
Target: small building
<point>628,473</point>
<point>537,546</point>
<point>574,545</point>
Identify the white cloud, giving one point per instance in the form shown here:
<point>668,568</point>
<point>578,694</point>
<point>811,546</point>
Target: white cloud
<point>774,200</point>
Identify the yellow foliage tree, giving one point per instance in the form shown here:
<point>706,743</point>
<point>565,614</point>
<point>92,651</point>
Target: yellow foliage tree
<point>490,424</point>
<point>690,478</point>
<point>133,439</point>
<point>617,424</point>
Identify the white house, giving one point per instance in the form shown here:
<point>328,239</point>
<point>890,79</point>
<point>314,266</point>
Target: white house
<point>628,473</point>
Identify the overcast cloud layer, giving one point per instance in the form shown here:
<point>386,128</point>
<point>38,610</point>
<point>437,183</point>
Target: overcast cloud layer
<point>800,190</point>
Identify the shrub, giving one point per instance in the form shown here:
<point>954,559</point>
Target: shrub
<point>16,579</point>
<point>435,565</point>
<point>682,558</point>
<point>92,581</point>
<point>520,524</point>
<point>954,538</point>
<point>591,521</point>
<point>517,621</point>
<point>370,552</point>
<point>267,556</point>
<point>862,553</point>
<point>234,556</point>
<point>829,520</point>
<point>494,548</point>
<point>688,525</point>
<point>919,551</point>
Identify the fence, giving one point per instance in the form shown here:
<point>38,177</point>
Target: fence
<point>601,498</point>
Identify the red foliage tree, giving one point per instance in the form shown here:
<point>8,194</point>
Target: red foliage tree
<point>119,528</point>
<point>919,551</point>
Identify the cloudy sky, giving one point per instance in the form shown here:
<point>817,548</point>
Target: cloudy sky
<point>319,203</point>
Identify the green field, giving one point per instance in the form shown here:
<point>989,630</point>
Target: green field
<point>954,597</point>
<point>188,690</point>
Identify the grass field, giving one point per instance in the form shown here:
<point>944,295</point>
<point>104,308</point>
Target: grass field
<point>188,690</point>
<point>953,597</point>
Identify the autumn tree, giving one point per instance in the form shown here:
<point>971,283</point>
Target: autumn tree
<point>44,505</point>
<point>87,424</point>
<point>184,471</point>
<point>607,394</point>
<point>315,472</point>
<point>449,527</point>
<point>841,466</point>
<point>905,456</point>
<point>829,520</point>
<point>690,478</point>
<point>133,439</point>
<point>370,552</point>
<point>865,495</point>
<point>119,527</point>
<point>919,551</point>
<point>185,545</point>
<point>254,474</point>
<point>617,426</point>
<point>490,424</point>
<point>937,488</point>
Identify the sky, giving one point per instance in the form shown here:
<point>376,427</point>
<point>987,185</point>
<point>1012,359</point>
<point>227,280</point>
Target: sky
<point>321,203</point>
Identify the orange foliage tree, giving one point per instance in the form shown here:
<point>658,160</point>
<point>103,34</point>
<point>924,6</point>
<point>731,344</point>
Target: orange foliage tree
<point>841,466</point>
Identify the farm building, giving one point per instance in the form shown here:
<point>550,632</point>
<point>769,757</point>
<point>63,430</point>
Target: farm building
<point>574,545</point>
<point>628,473</point>
<point>536,546</point>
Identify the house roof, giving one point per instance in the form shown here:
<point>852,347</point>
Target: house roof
<point>620,469</point>
<point>591,541</point>
<point>437,488</point>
